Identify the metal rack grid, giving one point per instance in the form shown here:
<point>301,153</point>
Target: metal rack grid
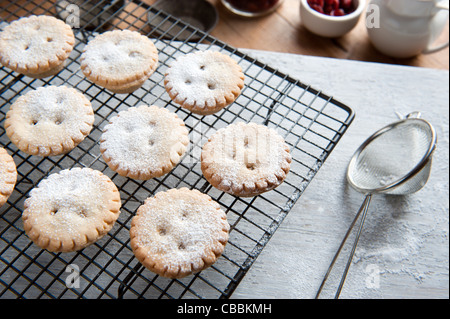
<point>311,122</point>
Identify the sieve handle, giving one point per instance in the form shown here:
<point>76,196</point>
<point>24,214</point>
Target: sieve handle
<point>362,211</point>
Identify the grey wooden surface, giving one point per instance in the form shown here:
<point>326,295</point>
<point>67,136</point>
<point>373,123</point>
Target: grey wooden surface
<point>404,249</point>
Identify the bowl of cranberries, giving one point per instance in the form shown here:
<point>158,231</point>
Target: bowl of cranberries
<point>331,18</point>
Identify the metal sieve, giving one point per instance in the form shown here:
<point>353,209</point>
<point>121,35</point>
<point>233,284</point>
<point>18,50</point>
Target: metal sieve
<point>395,160</point>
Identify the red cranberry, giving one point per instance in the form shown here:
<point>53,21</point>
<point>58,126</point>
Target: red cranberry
<point>332,7</point>
<point>337,13</point>
<point>346,5</point>
<point>318,3</point>
<point>317,8</point>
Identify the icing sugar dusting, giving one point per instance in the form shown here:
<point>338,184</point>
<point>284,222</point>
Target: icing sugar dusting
<point>8,173</point>
<point>50,116</point>
<point>180,226</point>
<point>29,40</point>
<point>211,75</point>
<point>69,202</point>
<point>119,54</point>
<point>144,139</point>
<point>246,153</point>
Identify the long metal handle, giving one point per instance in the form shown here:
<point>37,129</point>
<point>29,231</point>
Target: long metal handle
<point>362,210</point>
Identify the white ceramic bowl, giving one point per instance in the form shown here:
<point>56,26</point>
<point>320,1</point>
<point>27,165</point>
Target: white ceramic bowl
<point>329,26</point>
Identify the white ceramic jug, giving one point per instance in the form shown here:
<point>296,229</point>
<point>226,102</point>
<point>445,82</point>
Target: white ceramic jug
<point>405,28</point>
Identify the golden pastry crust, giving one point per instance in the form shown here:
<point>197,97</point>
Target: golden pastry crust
<point>204,82</point>
<point>144,142</point>
<point>245,159</point>
<point>179,232</point>
<point>36,46</point>
<point>70,210</point>
<point>8,176</point>
<point>120,60</point>
<point>49,121</point>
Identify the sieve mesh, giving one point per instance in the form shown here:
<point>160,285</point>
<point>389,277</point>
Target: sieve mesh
<point>391,156</point>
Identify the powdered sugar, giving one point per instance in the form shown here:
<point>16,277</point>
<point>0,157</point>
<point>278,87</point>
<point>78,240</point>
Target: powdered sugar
<point>72,203</point>
<point>180,228</point>
<point>144,141</point>
<point>8,175</point>
<point>36,41</point>
<point>204,79</point>
<point>246,155</point>
<point>49,120</point>
<point>118,57</point>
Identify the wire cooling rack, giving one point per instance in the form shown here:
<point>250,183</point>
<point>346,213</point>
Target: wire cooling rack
<point>311,122</point>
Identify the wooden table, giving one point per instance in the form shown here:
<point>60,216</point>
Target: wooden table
<point>282,31</point>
